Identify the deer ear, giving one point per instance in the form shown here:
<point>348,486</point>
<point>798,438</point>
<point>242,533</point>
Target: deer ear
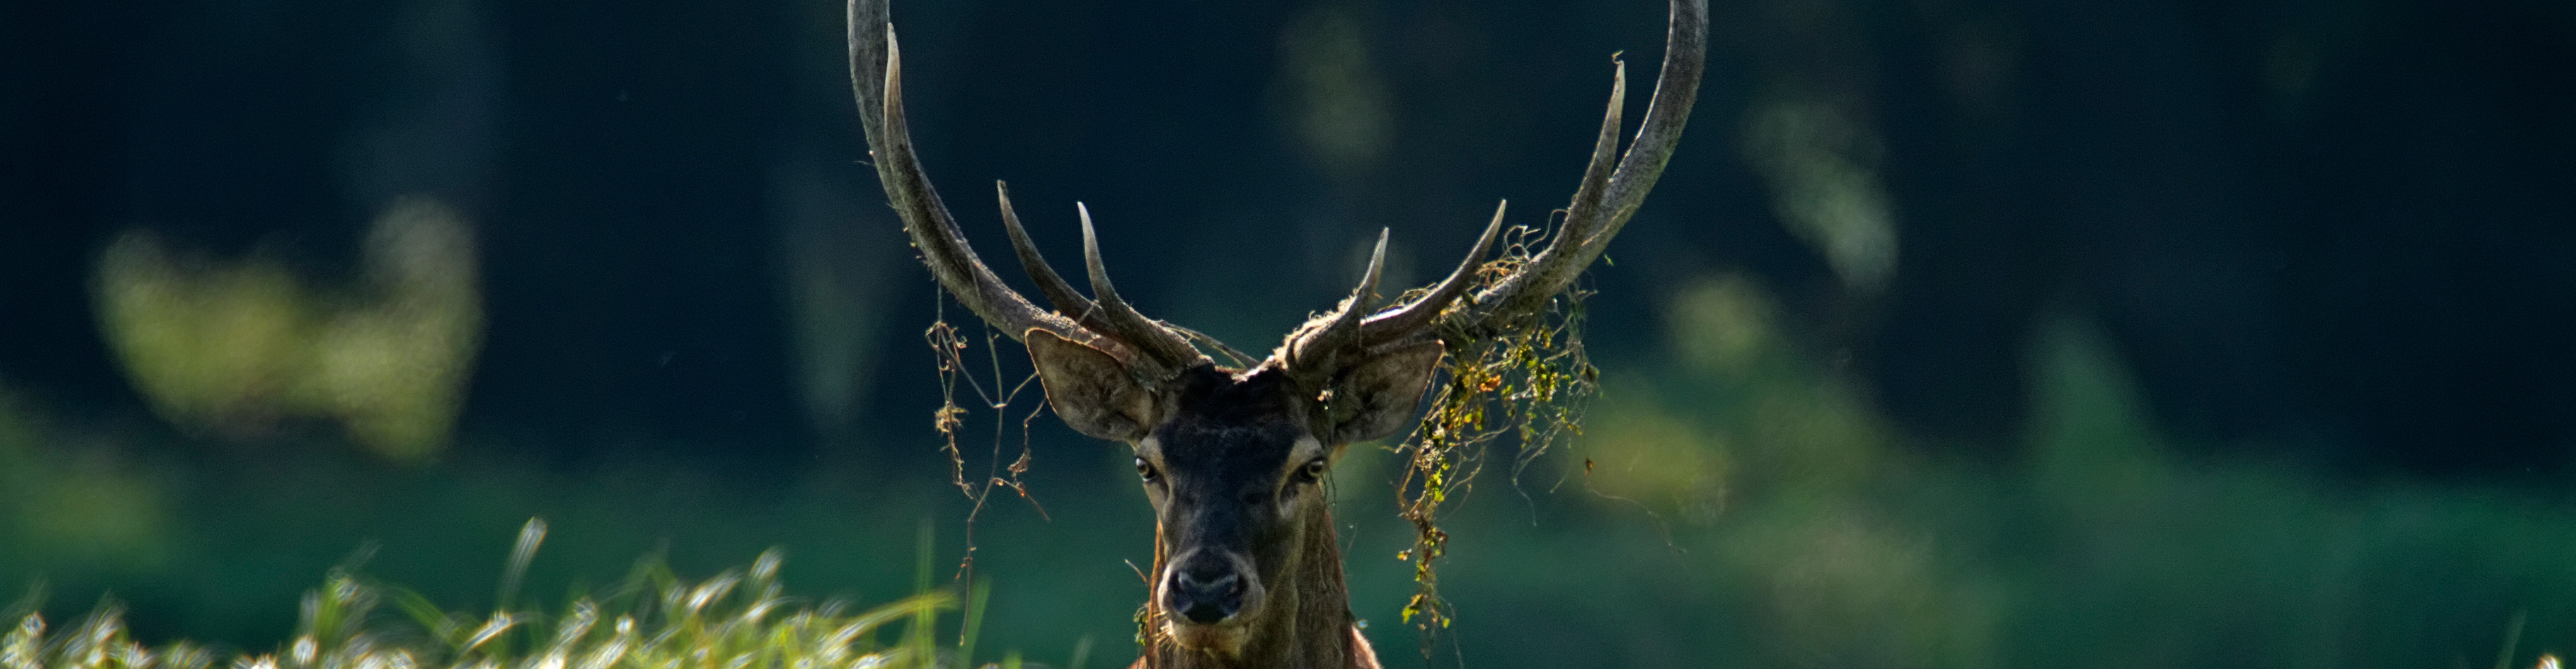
<point>1377,397</point>
<point>1091,390</point>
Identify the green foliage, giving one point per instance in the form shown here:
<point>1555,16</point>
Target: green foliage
<point>739,618</point>
<point>1800,527</point>
<point>1527,378</point>
<point>1742,503</point>
<point>101,510</point>
<point>235,347</point>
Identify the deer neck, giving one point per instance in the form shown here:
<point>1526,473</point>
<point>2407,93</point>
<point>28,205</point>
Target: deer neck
<point>1307,625</point>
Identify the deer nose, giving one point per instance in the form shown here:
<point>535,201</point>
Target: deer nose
<point>1204,596</point>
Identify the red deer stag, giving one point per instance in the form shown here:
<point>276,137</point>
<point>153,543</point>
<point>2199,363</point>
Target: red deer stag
<point>1247,572</point>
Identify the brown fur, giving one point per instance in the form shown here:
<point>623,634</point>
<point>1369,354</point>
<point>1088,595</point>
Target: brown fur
<point>1317,633</point>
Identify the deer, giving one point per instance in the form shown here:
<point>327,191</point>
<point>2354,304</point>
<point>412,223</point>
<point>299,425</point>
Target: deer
<point>1247,567</point>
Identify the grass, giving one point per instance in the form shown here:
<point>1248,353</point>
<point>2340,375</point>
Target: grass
<point>739,619</point>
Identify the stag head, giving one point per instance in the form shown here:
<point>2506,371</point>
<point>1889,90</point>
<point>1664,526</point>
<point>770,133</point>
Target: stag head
<point>1246,567</point>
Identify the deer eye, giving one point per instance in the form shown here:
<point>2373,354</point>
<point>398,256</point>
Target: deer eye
<point>1146,470</point>
<point>1312,472</point>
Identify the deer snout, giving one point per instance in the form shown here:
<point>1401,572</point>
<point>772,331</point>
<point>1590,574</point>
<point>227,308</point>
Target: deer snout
<point>1206,593</point>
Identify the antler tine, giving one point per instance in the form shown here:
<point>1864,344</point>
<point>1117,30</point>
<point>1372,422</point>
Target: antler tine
<point>1313,350</point>
<point>1411,318</point>
<point>1676,90</point>
<point>1513,295</point>
<point>1606,199</point>
<point>876,73</point>
<point>1164,346</point>
<point>1050,284</point>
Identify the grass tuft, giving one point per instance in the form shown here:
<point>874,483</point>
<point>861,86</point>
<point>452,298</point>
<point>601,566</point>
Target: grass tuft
<point>739,619</point>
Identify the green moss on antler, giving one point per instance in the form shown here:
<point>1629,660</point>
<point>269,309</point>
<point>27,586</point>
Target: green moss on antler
<point>1527,377</point>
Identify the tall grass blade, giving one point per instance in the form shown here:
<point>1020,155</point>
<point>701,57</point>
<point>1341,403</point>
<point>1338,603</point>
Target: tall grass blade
<point>2512,636</point>
<point>524,552</point>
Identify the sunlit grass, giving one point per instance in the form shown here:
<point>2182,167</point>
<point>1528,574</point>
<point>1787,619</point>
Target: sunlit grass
<point>741,618</point>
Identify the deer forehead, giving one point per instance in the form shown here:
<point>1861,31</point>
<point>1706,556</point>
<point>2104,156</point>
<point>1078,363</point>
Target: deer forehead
<point>1228,457</point>
<point>1214,419</point>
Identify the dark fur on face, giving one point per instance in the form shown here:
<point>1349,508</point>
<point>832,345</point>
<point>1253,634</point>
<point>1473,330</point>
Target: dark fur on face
<point>1231,473</point>
<point>1245,566</point>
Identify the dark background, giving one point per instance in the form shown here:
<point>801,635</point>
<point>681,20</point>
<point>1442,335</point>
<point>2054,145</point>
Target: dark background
<point>2342,222</point>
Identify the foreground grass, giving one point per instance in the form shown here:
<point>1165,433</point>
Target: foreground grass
<point>737,619</point>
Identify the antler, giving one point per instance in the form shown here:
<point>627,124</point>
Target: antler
<point>1602,205</point>
<point>1608,195</point>
<point>1150,349</point>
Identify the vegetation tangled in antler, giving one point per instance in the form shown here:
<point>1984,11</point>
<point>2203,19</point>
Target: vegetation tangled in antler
<point>1528,377</point>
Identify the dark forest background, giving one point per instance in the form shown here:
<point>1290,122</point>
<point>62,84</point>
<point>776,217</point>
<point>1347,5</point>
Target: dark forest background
<point>1960,332</point>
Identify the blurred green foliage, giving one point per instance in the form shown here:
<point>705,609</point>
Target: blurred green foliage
<point>235,347</point>
<point>1845,546</point>
<point>1734,500</point>
<point>89,505</point>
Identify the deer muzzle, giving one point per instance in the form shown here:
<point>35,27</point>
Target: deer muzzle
<point>1205,591</point>
<point>1206,598</point>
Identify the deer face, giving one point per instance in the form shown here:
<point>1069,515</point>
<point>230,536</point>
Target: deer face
<point>1233,463</point>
